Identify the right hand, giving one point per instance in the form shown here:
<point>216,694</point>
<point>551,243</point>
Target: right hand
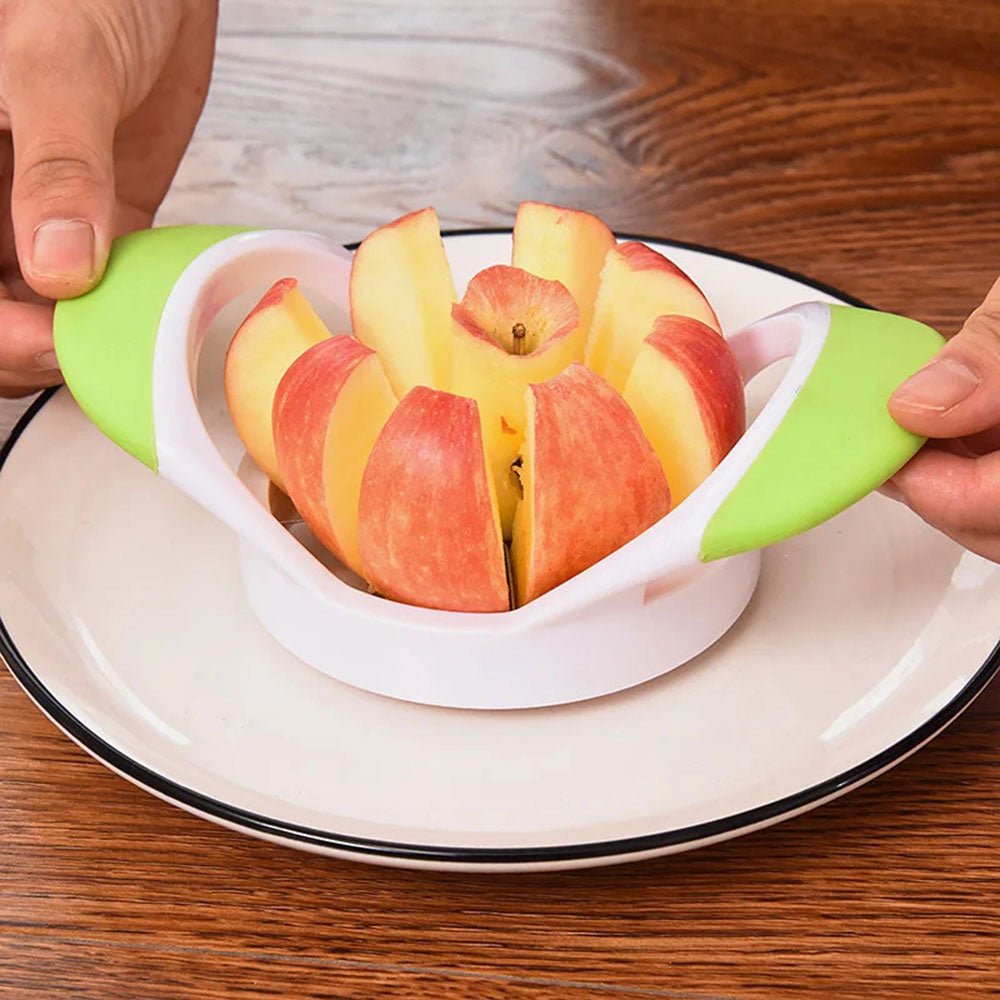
<point>98,100</point>
<point>953,483</point>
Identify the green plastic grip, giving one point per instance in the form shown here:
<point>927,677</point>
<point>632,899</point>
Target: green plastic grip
<point>837,442</point>
<point>105,339</point>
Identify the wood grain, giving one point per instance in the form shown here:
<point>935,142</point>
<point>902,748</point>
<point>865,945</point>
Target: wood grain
<point>858,143</point>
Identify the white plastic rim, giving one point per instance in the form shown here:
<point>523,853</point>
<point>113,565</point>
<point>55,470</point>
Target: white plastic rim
<point>626,640</point>
<point>628,619</point>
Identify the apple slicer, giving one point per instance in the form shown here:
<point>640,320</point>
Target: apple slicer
<point>129,352</point>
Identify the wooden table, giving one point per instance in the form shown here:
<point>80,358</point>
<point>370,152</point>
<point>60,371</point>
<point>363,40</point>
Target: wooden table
<point>858,143</point>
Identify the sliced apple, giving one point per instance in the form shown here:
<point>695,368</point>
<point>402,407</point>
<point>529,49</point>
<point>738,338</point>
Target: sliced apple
<point>429,528</point>
<point>687,393</point>
<point>279,328</point>
<point>510,329</point>
<point>565,245</point>
<point>330,407</point>
<point>401,297</point>
<point>637,286</point>
<point>592,481</point>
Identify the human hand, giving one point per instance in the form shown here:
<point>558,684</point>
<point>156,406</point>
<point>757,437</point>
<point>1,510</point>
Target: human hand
<point>98,100</point>
<point>953,483</point>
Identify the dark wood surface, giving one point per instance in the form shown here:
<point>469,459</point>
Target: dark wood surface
<point>858,143</point>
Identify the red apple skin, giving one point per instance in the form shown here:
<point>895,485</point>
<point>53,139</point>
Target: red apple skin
<point>499,296</point>
<point>483,368</point>
<point>428,525</point>
<point>303,403</point>
<point>260,352</point>
<point>641,257</point>
<point>638,285</point>
<point>275,294</point>
<point>401,294</point>
<point>712,372</point>
<point>596,482</point>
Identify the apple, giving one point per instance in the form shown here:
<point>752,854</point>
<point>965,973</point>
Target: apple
<point>510,329</point>
<point>401,293</point>
<point>637,286</point>
<point>565,245</point>
<point>564,404</point>
<point>329,408</point>
<point>428,523</point>
<point>279,328</point>
<point>591,480</point>
<point>687,393</point>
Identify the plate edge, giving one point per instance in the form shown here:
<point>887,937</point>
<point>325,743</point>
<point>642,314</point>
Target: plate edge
<point>709,830</point>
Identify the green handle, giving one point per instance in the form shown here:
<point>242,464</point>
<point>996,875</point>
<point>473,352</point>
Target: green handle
<point>837,442</point>
<point>105,339</point>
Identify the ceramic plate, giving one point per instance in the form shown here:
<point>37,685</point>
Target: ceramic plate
<point>121,615</point>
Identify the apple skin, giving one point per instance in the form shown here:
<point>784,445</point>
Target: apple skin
<point>592,481</point>
<point>563,245</point>
<point>500,296</point>
<point>401,294</point>
<point>277,330</point>
<point>484,369</point>
<point>428,524</point>
<point>329,408</point>
<point>687,392</point>
<point>638,285</point>
<point>417,496</point>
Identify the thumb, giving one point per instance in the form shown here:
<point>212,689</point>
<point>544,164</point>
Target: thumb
<point>958,393</point>
<point>62,118</point>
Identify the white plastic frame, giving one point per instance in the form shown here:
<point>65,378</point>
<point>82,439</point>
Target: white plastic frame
<point>642,611</point>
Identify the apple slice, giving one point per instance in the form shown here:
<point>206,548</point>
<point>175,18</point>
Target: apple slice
<point>330,407</point>
<point>687,393</point>
<point>278,329</point>
<point>563,245</point>
<point>592,481</point>
<point>401,297</point>
<point>637,286</point>
<point>429,528</point>
<point>510,329</point>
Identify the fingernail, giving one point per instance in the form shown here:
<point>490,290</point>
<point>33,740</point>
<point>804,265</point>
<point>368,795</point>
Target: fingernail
<point>48,360</point>
<point>63,248</point>
<point>940,386</point>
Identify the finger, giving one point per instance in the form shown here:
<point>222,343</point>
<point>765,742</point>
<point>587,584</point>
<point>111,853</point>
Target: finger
<point>17,288</point>
<point>958,393</point>
<point>15,385</point>
<point>955,494</point>
<point>982,444</point>
<point>892,491</point>
<point>26,338</point>
<point>127,219</point>
<point>62,105</point>
<point>954,446</point>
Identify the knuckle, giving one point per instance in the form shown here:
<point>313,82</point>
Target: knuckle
<point>57,168</point>
<point>979,340</point>
<point>985,320</point>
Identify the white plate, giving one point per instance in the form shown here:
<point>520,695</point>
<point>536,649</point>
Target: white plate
<point>121,615</point>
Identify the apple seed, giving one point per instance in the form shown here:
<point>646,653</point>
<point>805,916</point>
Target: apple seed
<point>515,471</point>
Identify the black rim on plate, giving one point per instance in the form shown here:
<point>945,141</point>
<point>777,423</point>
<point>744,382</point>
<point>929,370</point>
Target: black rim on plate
<point>363,846</point>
